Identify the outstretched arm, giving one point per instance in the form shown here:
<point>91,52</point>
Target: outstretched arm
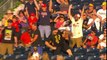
<point>69,12</point>
<point>50,6</point>
<point>82,13</point>
<point>37,6</point>
<point>55,20</point>
<point>58,1</point>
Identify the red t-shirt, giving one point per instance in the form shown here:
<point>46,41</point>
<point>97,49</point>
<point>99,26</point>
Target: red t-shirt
<point>16,26</point>
<point>94,40</point>
<point>31,21</point>
<point>25,37</point>
<point>58,24</point>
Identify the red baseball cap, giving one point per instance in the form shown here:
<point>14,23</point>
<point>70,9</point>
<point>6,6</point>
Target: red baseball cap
<point>44,5</point>
<point>32,14</point>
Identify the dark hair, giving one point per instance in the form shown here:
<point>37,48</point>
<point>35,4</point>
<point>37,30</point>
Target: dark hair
<point>10,21</point>
<point>21,11</point>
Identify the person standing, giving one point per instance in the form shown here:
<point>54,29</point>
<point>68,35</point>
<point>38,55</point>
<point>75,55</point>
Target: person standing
<point>9,39</point>
<point>77,22</point>
<point>44,19</point>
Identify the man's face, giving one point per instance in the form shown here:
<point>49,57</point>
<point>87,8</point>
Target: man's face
<point>9,24</point>
<point>55,32</point>
<point>44,8</point>
<point>41,2</point>
<point>104,7</point>
<point>76,17</point>
<point>93,33</point>
<point>91,7</point>
<point>34,27</point>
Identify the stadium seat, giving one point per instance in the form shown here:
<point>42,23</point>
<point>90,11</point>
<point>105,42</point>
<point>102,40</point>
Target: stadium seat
<point>9,57</point>
<point>69,58</point>
<point>102,51</point>
<point>21,57</point>
<point>93,57</point>
<point>81,57</point>
<point>92,51</point>
<point>1,56</point>
<point>79,51</point>
<point>19,50</point>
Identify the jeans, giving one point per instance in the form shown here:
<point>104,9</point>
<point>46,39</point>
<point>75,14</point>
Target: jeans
<point>44,30</point>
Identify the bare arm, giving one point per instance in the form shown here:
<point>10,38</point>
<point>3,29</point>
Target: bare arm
<point>50,6</point>
<point>82,13</point>
<point>35,38</point>
<point>84,41</point>
<point>37,16</point>
<point>16,42</point>
<point>69,12</point>
<point>58,1</point>
<point>49,45</point>
<point>55,20</point>
<point>37,6</point>
<point>26,12</point>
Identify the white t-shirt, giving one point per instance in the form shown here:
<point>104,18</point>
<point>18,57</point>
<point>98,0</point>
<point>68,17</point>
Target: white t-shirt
<point>103,43</point>
<point>102,13</point>
<point>77,28</point>
<point>35,55</point>
<point>96,21</point>
<point>101,36</point>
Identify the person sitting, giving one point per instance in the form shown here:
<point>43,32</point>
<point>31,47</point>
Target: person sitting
<point>91,40</point>
<point>102,40</point>
<point>57,44</point>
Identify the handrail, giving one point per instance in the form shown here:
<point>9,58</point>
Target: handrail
<point>4,3</point>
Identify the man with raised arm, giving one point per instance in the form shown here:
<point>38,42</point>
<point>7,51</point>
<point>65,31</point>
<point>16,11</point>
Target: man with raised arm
<point>44,19</point>
<point>77,33</point>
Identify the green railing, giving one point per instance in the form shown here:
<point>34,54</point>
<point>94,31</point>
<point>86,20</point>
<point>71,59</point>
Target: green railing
<point>8,4</point>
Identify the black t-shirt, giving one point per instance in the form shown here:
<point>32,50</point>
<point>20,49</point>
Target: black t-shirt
<point>54,40</point>
<point>8,35</point>
<point>44,17</point>
<point>38,41</point>
<point>30,7</point>
<point>64,44</point>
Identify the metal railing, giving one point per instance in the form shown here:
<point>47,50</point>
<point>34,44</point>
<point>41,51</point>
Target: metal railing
<point>4,7</point>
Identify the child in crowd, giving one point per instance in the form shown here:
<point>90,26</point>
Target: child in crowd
<point>34,55</point>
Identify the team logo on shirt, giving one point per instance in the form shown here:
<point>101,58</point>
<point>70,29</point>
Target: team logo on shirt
<point>8,35</point>
<point>44,14</point>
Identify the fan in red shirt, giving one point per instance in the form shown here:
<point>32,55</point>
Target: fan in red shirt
<point>25,38</point>
<point>15,24</point>
<point>32,19</point>
<point>91,40</point>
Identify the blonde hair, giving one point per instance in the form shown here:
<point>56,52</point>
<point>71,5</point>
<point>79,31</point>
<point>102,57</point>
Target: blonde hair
<point>60,57</point>
<point>45,56</point>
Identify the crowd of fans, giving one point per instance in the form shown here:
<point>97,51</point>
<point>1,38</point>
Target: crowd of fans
<point>36,24</point>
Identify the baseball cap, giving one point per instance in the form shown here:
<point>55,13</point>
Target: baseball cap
<point>91,4</point>
<point>103,4</point>
<point>44,5</point>
<point>32,14</point>
<point>9,11</point>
